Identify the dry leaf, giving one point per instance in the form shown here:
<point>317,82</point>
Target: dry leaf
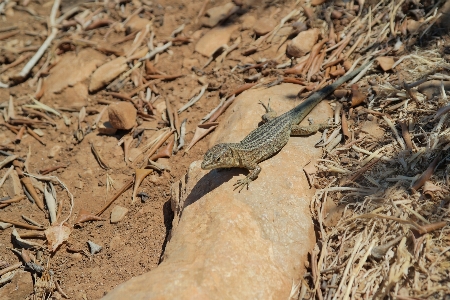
<point>357,96</point>
<point>386,62</point>
<point>85,216</point>
<point>140,175</point>
<point>201,131</point>
<point>51,205</point>
<point>56,235</point>
<point>23,243</point>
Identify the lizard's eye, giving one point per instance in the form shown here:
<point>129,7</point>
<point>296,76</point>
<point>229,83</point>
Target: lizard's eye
<point>218,159</point>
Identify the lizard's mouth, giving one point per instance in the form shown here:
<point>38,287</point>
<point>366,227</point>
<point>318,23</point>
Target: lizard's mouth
<point>205,166</point>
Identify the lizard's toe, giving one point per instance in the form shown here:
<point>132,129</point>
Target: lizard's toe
<point>241,183</point>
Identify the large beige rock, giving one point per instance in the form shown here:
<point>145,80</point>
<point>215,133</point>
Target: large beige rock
<point>230,245</point>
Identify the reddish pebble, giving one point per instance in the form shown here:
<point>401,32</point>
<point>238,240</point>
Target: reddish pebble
<point>122,115</point>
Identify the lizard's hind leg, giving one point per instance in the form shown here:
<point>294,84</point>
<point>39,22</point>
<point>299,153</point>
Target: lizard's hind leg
<point>270,113</point>
<point>298,130</point>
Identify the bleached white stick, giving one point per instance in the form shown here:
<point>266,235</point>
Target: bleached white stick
<point>37,56</point>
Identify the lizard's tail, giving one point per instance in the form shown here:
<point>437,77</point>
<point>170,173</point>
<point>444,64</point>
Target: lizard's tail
<point>303,109</point>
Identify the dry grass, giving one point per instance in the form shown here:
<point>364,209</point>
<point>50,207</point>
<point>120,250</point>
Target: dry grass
<point>393,238</point>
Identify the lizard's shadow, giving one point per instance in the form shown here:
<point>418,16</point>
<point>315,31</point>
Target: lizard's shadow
<point>212,180</point>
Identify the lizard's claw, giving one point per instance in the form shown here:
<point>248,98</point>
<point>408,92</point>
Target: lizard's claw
<point>241,183</point>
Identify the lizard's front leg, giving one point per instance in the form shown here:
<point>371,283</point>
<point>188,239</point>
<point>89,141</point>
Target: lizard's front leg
<point>270,113</point>
<point>254,169</point>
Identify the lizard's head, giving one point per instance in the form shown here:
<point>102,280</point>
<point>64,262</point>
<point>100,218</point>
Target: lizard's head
<point>219,156</point>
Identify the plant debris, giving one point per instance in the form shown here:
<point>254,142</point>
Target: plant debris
<point>165,72</point>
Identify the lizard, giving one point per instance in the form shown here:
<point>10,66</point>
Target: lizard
<point>269,138</point>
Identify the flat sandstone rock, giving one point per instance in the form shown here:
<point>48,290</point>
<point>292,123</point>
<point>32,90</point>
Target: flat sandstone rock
<point>230,245</point>
<point>65,85</point>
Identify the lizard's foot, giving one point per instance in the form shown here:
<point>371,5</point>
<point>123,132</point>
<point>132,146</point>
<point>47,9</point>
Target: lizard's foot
<point>266,107</point>
<point>241,183</point>
<point>298,130</point>
<point>270,113</point>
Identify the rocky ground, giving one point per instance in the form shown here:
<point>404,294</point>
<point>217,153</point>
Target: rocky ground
<point>94,96</point>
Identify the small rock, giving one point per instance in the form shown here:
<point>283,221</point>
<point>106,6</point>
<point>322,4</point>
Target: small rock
<point>197,34</point>
<point>386,62</point>
<point>264,26</point>
<point>303,42</point>
<point>12,185</point>
<point>281,35</point>
<point>347,65</point>
<point>188,63</point>
<point>122,115</point>
<point>299,26</point>
<point>107,72</point>
<point>337,72</point>
<point>372,128</point>
<point>54,151</point>
<point>79,184</point>
<point>160,107</point>
<point>413,25</point>
<point>144,196</point>
<point>339,93</point>
<point>9,12</point>
<point>94,248</point>
<point>118,213</point>
<point>218,13</point>
<point>336,14</point>
<point>247,22</point>
<point>39,132</point>
<point>213,39</point>
<point>137,23</point>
